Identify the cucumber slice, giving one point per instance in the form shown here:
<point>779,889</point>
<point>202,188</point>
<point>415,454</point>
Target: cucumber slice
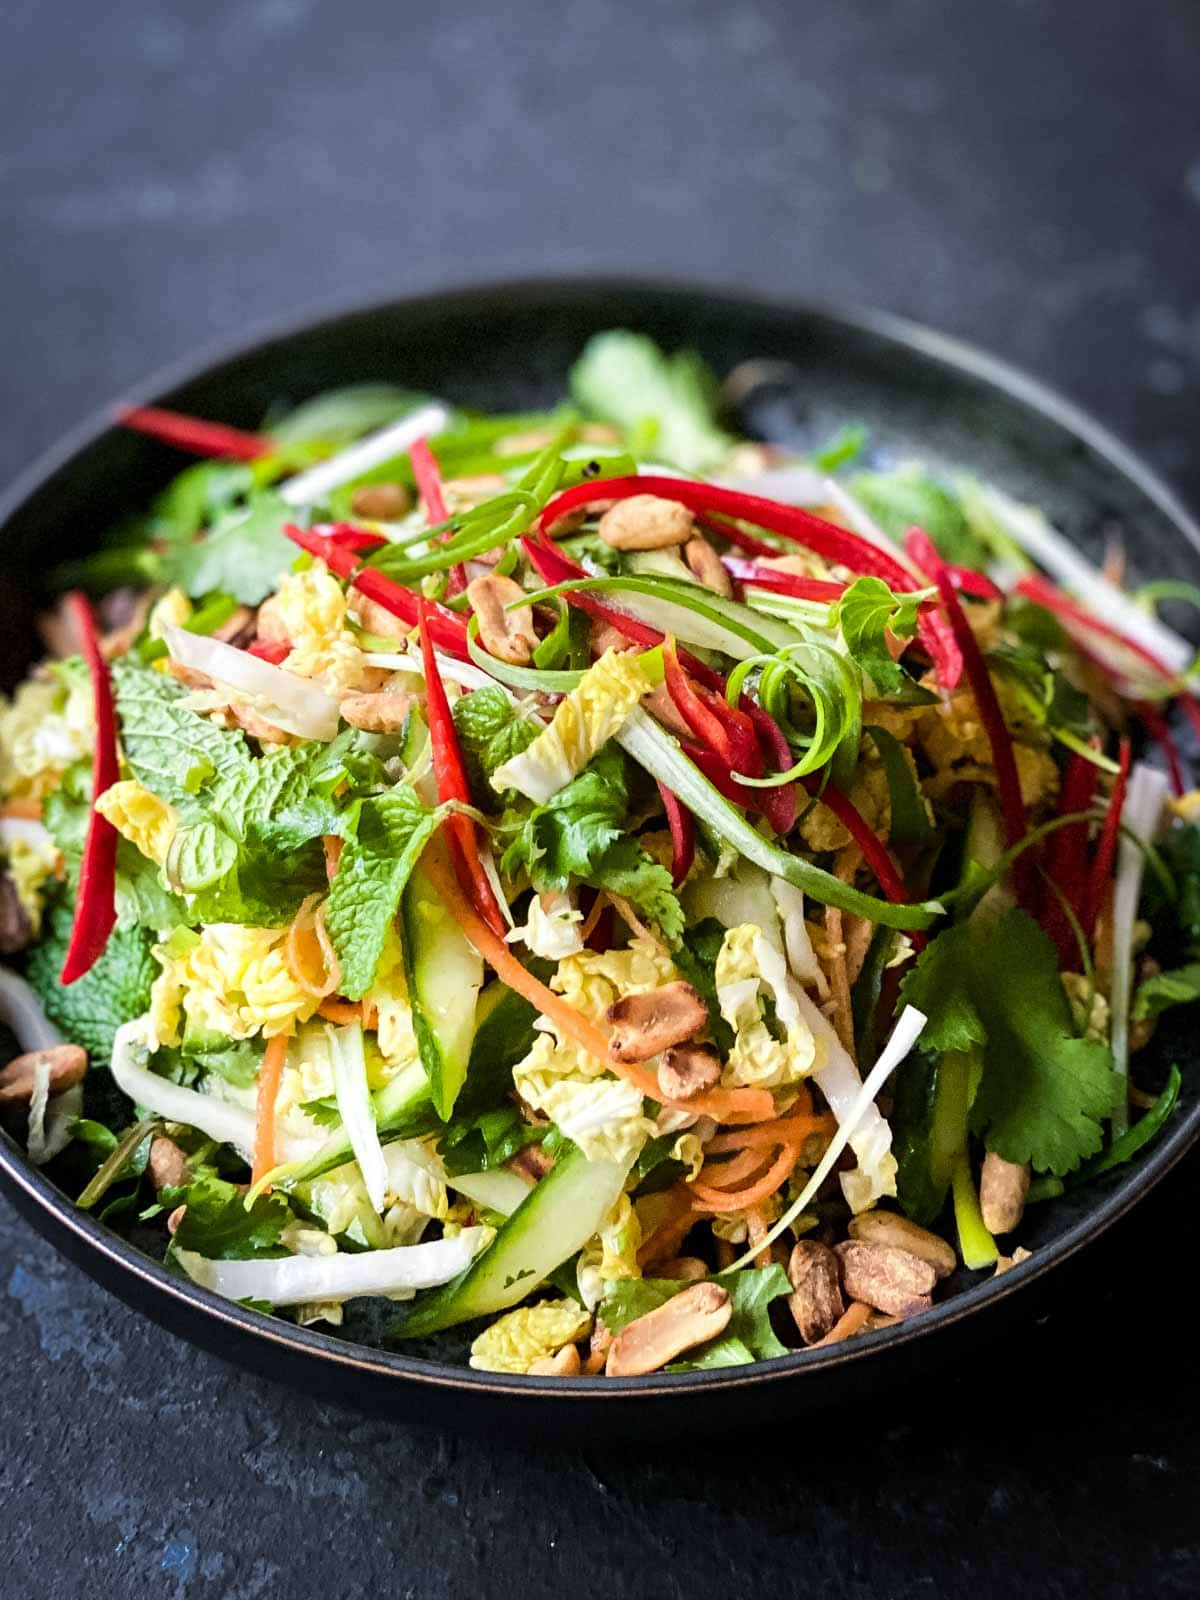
<point>552,1223</point>
<point>445,974</point>
<point>497,1189</point>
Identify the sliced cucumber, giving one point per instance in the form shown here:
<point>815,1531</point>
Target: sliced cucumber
<point>445,974</point>
<point>983,846</point>
<point>553,1222</point>
<point>497,1189</point>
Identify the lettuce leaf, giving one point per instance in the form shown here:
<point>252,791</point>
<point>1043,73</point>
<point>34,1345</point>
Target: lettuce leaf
<point>907,497</point>
<point>749,1335</point>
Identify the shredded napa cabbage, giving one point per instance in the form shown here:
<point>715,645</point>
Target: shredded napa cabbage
<point>751,970</point>
<point>140,816</point>
<point>519,1338</point>
<point>583,723</point>
<point>230,982</point>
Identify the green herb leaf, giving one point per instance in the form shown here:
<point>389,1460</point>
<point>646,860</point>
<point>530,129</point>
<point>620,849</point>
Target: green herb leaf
<point>665,405</point>
<point>1180,986</point>
<point>117,988</point>
<point>490,731</point>
<point>387,839</point>
<point>908,497</point>
<point>910,818</point>
<point>866,612</point>
<point>749,1335</point>
<point>217,1224</point>
<point>244,555</point>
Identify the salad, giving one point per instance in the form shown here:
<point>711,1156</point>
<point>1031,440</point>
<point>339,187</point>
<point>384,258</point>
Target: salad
<point>653,898</point>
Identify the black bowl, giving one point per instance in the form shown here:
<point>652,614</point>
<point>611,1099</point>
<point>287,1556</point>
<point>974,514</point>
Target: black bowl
<point>508,347</point>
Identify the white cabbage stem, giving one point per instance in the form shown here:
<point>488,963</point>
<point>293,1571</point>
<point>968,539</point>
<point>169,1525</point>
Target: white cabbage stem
<point>308,488</point>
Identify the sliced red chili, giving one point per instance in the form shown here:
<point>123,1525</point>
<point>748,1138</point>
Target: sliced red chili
<point>1160,732</point>
<point>451,777</point>
<point>1106,850</point>
<point>790,583</point>
<point>449,632</point>
<point>1043,593</point>
<point>273,650</point>
<point>683,835</point>
<point>192,434</point>
<point>921,549</point>
<point>96,900</point>
<point>428,477</point>
<point>349,537</point>
<point>1066,862</point>
<point>874,852</point>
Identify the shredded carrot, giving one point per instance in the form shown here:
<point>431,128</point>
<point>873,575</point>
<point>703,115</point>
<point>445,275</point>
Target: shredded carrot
<point>343,1012</point>
<point>333,854</point>
<point>720,1174</point>
<point>309,953</point>
<point>726,1105</point>
<point>28,810</point>
<point>269,1077</point>
<point>793,1129</point>
<point>738,1199</point>
<point>756,1231</point>
<point>852,1321</point>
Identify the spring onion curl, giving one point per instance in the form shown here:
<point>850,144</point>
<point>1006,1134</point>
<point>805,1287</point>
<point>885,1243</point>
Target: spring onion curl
<point>659,753</point>
<point>833,688</point>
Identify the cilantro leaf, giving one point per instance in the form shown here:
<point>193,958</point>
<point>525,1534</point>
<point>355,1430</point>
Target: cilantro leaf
<point>696,958</point>
<point>244,555</point>
<point>388,835</point>
<point>582,832</point>
<point>117,988</point>
<point>195,496</point>
<point>665,405</point>
<point>994,984</point>
<point>217,1224</point>
<point>1178,987</point>
<point>866,612</point>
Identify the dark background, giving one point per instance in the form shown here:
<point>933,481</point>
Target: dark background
<point>1024,174</point>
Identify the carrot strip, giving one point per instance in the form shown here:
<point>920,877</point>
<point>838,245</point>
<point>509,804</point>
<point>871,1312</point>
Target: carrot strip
<point>726,1105</point>
<point>781,1130</point>
<point>332,845</point>
<point>343,1012</point>
<point>29,810</point>
<point>745,1165</point>
<point>270,1075</point>
<point>738,1199</point>
<point>308,951</point>
<point>852,1321</point>
<point>756,1231</point>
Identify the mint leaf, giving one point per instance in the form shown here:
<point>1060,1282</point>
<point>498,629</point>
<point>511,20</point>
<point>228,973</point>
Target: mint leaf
<point>490,731</point>
<point>866,612</point>
<point>90,1010</point>
<point>389,833</point>
<point>217,1224</point>
<point>244,555</point>
<point>666,405</point>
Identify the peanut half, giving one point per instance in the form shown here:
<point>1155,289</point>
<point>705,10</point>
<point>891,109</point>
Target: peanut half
<point>889,1227</point>
<point>508,635</point>
<point>645,522</point>
<point>889,1280</point>
<point>816,1300</point>
<point>686,1320</point>
<point>67,1064</point>
<point>688,1069</point>
<point>645,1024</point>
<point>1003,1186</point>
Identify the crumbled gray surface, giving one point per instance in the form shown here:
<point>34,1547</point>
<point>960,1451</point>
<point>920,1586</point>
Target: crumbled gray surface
<point>1023,174</point>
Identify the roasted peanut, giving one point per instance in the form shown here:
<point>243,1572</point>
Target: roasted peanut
<point>645,522</point>
<point>688,1069</point>
<point>463,493</point>
<point>175,1218</point>
<point>375,713</point>
<point>707,566</point>
<point>508,635</point>
<point>887,1279</point>
<point>167,1164</point>
<point>889,1227</point>
<point>564,1363</point>
<point>683,1269</point>
<point>255,725</point>
<point>381,502</point>
<point>686,1320</point>
<point>270,622</point>
<point>67,1064</point>
<point>1003,1186</point>
<point>532,1163</point>
<point>816,1300</point>
<point>645,1024</point>
<point>375,619</point>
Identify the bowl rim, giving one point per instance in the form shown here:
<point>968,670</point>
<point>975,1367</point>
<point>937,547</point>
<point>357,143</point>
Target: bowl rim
<point>134,1267</point>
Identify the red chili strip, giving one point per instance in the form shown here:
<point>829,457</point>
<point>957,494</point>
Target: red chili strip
<point>428,477</point>
<point>874,852</point>
<point>449,632</point>
<point>726,731</point>
<point>96,901</point>
<point>921,549</point>
<point>778,804</point>
<point>272,650</point>
<point>1106,850</point>
<point>683,835</point>
<point>197,437</point>
<point>1044,594</point>
<point>452,784</point>
<point>1008,783</point>
<point>1067,864</point>
<point>784,582</point>
<point>1161,733</point>
<point>348,537</point>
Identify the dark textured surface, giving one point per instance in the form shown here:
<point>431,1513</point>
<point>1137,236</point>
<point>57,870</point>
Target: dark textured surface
<point>1028,176</point>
